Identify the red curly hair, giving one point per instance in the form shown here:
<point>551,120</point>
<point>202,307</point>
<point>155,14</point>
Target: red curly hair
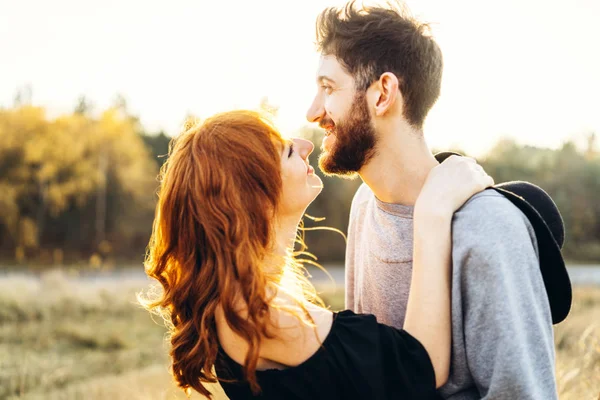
<point>214,228</point>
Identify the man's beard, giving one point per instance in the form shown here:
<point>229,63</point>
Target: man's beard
<point>354,142</point>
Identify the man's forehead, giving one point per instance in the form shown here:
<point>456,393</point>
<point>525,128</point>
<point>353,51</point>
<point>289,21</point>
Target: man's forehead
<point>330,68</point>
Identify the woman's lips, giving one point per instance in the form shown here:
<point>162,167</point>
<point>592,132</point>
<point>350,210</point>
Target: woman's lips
<point>310,170</point>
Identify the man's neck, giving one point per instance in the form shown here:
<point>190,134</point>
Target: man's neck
<point>397,173</point>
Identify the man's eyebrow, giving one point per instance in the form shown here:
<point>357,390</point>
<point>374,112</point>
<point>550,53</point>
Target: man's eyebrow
<point>322,78</point>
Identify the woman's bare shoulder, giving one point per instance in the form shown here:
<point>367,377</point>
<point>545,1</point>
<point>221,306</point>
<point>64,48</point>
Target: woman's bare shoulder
<point>294,339</point>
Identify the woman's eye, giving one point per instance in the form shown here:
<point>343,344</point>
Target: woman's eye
<point>291,151</point>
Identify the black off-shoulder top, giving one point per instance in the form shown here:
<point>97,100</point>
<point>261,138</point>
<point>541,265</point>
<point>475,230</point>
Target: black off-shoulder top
<point>359,359</point>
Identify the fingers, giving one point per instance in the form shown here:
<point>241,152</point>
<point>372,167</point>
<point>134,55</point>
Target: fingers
<point>458,163</point>
<point>483,178</point>
<point>486,179</point>
<point>456,159</point>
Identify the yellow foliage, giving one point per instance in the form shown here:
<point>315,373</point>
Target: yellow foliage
<point>50,166</point>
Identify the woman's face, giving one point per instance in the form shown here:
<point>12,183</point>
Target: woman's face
<point>300,184</point>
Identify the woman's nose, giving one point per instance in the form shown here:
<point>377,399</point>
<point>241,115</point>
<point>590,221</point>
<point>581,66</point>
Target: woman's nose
<point>305,147</point>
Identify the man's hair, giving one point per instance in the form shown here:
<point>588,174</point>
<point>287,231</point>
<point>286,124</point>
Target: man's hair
<point>371,40</point>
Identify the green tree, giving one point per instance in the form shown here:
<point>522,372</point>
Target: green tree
<point>158,145</point>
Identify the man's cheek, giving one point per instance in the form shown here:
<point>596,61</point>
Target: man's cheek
<point>329,107</point>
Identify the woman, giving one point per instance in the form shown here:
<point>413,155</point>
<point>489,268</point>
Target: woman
<point>232,195</point>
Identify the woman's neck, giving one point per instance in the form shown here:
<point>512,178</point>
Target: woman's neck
<point>285,234</point>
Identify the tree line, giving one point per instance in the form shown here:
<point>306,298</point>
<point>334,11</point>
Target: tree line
<point>570,174</point>
<point>81,188</point>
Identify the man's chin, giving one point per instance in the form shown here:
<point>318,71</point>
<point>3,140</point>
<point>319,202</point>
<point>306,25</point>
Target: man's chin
<point>330,167</point>
<point>328,143</point>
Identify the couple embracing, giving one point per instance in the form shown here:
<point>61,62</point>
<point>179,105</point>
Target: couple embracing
<point>452,283</point>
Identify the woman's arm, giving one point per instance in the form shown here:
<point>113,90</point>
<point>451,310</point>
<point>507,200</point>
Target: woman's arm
<point>428,310</point>
<point>428,317</point>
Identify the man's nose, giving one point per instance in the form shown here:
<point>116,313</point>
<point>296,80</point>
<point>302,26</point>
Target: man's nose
<point>305,147</point>
<point>316,111</point>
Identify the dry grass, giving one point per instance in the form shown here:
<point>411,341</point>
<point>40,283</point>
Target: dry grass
<point>578,348</point>
<point>63,338</point>
<point>69,338</point>
<point>153,382</point>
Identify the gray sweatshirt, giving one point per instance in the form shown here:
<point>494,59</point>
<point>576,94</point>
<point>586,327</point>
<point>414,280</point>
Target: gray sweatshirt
<point>502,338</point>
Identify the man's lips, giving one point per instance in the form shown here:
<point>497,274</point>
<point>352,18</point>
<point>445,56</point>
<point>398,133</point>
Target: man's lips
<point>328,128</point>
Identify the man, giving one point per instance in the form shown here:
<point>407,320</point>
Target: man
<point>379,75</point>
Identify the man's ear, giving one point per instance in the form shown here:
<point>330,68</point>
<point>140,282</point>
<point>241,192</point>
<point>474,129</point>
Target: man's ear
<point>385,93</point>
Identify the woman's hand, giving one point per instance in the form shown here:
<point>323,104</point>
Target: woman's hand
<point>450,184</point>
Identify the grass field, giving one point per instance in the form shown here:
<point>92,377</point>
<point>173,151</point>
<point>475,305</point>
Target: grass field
<point>76,339</point>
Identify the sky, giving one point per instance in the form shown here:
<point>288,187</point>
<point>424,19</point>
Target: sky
<point>526,69</point>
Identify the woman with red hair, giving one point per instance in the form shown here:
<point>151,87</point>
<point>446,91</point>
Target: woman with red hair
<point>240,309</point>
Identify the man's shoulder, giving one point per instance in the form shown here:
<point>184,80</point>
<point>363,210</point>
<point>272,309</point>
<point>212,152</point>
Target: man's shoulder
<point>489,213</point>
<point>488,204</point>
<point>360,199</point>
<point>492,240</point>
<point>363,195</point>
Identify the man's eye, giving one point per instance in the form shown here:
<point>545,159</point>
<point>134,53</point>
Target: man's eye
<point>327,89</point>
<point>291,151</point>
